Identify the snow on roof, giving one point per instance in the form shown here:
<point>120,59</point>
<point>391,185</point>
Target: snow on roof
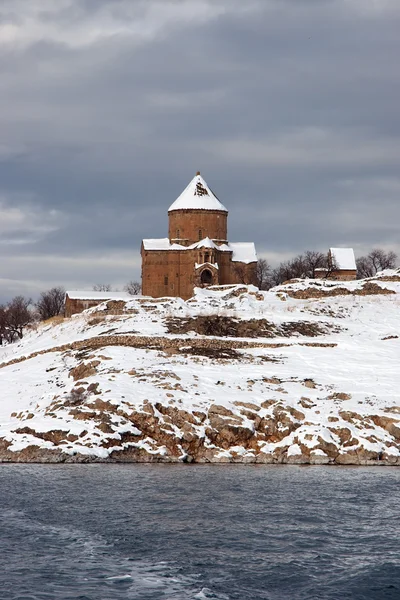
<point>197,195</point>
<point>161,244</point>
<point>91,295</point>
<point>241,251</point>
<point>198,265</point>
<point>343,258</point>
<point>244,252</point>
<point>206,243</point>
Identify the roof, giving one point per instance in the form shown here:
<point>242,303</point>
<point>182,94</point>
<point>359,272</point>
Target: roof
<point>244,252</point>
<point>161,244</point>
<point>241,251</point>
<point>205,243</point>
<point>197,195</point>
<point>343,258</point>
<point>91,295</point>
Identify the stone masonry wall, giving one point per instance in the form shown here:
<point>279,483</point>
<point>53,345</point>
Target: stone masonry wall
<point>172,273</point>
<point>74,306</point>
<point>189,226</point>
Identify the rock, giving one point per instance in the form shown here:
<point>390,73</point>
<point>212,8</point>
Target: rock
<point>217,409</point>
<point>339,396</point>
<point>309,383</point>
<point>84,370</point>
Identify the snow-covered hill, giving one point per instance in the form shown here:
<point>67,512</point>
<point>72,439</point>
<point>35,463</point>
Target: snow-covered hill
<point>307,372</point>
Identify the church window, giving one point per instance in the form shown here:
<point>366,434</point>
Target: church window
<point>166,280</point>
<point>200,234</point>
<point>206,258</point>
<point>178,234</point>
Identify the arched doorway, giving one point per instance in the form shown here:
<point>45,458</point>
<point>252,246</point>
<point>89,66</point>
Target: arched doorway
<point>206,277</point>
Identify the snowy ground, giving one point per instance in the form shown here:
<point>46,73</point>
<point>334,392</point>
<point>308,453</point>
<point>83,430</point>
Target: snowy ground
<point>333,397</point>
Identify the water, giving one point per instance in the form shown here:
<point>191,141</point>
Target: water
<point>110,532</point>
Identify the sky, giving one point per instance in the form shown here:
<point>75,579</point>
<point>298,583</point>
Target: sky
<point>289,108</point>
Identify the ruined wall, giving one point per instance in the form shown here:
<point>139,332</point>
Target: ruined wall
<point>74,306</point>
<point>337,275</point>
<point>189,226</point>
<point>343,275</point>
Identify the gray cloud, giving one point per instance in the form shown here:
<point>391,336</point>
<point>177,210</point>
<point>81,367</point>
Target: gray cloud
<point>288,107</point>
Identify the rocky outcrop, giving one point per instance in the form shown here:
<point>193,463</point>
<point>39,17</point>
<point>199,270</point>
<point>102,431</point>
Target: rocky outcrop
<point>317,291</point>
<point>160,432</point>
<point>211,389</point>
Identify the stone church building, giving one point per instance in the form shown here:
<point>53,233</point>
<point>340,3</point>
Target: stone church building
<point>196,252</point>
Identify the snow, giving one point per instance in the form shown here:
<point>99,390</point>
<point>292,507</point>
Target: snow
<point>343,258</point>
<point>198,265</point>
<point>244,252</point>
<point>197,195</point>
<point>156,244</point>
<point>354,372</point>
<point>206,243</point>
<point>294,450</point>
<point>161,244</point>
<point>92,295</point>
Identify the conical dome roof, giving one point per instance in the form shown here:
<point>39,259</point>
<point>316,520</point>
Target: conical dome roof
<point>197,195</point>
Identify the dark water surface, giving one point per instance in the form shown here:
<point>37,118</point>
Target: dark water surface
<point>105,532</point>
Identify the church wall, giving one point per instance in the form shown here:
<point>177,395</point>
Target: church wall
<point>225,267</point>
<point>168,273</point>
<point>244,273</point>
<point>190,226</point>
<point>172,273</point>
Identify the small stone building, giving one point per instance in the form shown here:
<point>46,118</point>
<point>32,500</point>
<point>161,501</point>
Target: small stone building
<point>76,302</point>
<point>196,252</point>
<point>341,265</point>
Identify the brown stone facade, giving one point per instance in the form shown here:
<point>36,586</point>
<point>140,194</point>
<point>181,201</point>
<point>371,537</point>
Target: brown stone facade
<point>189,226</point>
<point>175,273</point>
<point>75,305</point>
<point>336,274</point>
<point>197,252</point>
<point>76,302</point>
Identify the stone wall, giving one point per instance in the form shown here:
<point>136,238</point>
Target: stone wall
<point>74,306</point>
<point>336,275</point>
<point>173,272</point>
<point>189,226</point>
<point>343,275</point>
<point>161,343</point>
<point>168,273</point>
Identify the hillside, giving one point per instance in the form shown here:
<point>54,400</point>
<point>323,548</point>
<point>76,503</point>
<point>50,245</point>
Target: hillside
<point>304,373</point>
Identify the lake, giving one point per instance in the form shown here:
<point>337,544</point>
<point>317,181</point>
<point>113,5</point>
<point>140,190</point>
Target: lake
<point>183,532</point>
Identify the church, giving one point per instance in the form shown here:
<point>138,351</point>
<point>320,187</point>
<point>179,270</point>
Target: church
<point>196,252</point>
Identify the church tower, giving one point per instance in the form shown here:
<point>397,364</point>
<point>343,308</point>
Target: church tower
<point>197,252</point>
<point>197,214</point>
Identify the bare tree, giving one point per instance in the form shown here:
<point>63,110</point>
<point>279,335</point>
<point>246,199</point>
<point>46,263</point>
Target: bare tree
<point>376,260</point>
<point>51,303</point>
<point>102,287</point>
<point>302,266</point>
<point>18,315</point>
<point>4,337</point>
<point>133,287</point>
<point>291,269</point>
<point>264,274</point>
<point>314,260</point>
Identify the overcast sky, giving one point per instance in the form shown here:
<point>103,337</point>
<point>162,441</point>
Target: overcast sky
<point>289,108</point>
